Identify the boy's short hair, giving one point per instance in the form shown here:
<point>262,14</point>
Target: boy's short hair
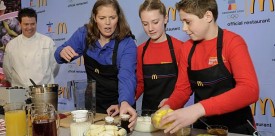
<point>198,7</point>
<point>27,12</point>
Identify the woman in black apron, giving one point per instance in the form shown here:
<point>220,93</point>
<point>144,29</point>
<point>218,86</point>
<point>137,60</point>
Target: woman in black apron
<point>211,60</point>
<point>109,53</point>
<point>157,68</point>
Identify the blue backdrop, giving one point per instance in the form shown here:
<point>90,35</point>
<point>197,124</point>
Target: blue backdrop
<point>252,19</point>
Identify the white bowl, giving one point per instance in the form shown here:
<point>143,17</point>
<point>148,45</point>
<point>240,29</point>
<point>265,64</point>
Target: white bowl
<point>80,115</point>
<point>144,123</point>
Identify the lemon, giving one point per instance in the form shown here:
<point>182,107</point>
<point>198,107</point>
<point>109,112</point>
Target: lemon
<point>156,118</point>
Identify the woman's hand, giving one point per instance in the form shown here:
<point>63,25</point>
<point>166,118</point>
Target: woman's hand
<point>125,108</point>
<point>113,110</point>
<point>68,53</point>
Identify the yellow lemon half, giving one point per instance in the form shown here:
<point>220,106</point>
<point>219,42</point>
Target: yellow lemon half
<point>157,116</point>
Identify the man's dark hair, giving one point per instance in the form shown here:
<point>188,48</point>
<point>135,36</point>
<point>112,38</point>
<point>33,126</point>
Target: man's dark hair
<point>27,12</point>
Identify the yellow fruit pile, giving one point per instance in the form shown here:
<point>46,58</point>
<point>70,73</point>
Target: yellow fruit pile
<point>105,130</point>
<point>156,118</point>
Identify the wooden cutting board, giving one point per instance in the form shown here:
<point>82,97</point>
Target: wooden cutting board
<point>99,119</point>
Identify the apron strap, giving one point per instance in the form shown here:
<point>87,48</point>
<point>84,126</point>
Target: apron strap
<point>172,51</point>
<point>219,52</point>
<point>171,48</point>
<point>114,58</point>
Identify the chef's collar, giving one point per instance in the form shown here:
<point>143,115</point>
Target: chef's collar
<point>26,38</point>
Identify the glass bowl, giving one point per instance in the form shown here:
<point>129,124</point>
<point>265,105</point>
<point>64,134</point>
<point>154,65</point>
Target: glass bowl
<point>218,130</point>
<point>185,131</point>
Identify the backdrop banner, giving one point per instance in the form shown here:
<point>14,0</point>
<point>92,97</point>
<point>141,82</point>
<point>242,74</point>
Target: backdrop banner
<point>9,29</point>
<point>252,19</point>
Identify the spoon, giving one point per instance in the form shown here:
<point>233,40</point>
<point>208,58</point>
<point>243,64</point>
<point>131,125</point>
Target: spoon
<point>253,127</point>
<point>33,83</point>
<point>205,124</point>
<point>99,120</point>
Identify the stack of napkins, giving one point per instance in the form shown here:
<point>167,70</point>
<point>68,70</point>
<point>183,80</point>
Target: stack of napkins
<point>2,127</point>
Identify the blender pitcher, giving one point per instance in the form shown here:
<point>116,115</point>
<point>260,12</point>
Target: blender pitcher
<point>84,95</point>
<point>90,97</point>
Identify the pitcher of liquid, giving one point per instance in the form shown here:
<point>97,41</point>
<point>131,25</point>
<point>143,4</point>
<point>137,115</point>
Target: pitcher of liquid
<point>43,119</point>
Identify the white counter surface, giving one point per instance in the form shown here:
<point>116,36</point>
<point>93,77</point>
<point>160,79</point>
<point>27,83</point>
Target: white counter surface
<point>66,132</point>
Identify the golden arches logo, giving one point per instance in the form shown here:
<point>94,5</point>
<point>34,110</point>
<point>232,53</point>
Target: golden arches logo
<point>199,83</point>
<point>173,12</point>
<point>261,5</point>
<point>80,61</point>
<point>154,76</point>
<point>61,28</point>
<point>63,92</point>
<point>97,71</point>
<point>263,105</point>
<point>41,3</point>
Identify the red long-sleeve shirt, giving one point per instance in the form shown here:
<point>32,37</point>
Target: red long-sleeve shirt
<point>236,59</point>
<point>156,53</point>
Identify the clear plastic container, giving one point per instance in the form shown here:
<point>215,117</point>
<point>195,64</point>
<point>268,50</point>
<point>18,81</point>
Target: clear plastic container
<point>109,120</point>
<point>80,122</point>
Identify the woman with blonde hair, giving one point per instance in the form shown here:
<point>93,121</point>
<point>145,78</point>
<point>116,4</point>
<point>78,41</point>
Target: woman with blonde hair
<point>157,68</point>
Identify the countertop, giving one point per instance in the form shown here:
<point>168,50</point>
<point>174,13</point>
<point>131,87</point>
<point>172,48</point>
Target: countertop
<point>194,132</point>
<point>64,130</point>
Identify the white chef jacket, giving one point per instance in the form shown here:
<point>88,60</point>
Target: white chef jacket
<point>26,58</point>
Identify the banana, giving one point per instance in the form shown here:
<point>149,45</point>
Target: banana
<point>122,132</point>
<point>10,32</point>
<point>93,126</point>
<point>106,133</point>
<point>111,127</point>
<point>105,130</point>
<point>97,131</point>
<point>111,133</point>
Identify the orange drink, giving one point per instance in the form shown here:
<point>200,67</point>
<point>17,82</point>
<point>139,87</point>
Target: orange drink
<point>16,123</point>
<point>15,120</point>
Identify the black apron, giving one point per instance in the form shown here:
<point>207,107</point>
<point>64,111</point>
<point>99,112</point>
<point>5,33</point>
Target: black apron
<point>159,79</point>
<point>212,81</point>
<point>106,81</point>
